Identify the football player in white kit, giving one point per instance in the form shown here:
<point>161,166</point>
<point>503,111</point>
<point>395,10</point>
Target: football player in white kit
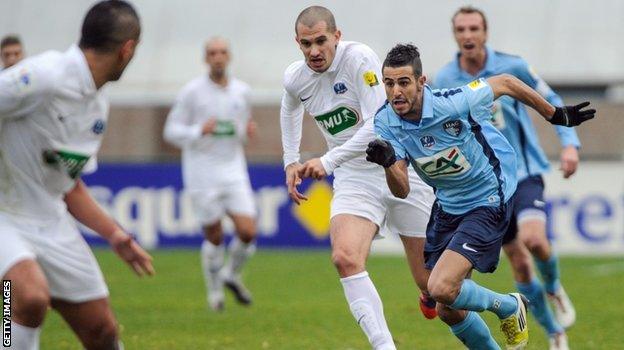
<point>338,85</point>
<point>52,116</point>
<point>210,121</point>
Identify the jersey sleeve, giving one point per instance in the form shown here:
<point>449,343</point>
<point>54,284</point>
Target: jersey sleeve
<point>179,128</point>
<point>291,121</point>
<point>23,88</point>
<point>480,99</point>
<point>241,125</point>
<point>383,132</point>
<point>371,96</point>
<point>522,70</point>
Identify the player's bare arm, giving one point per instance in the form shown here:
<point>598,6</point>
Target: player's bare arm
<point>293,180</point>
<point>382,153</point>
<point>569,161</point>
<point>85,209</point>
<point>506,84</point>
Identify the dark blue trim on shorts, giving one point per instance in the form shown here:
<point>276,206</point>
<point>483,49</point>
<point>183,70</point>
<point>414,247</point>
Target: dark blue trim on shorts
<point>490,154</point>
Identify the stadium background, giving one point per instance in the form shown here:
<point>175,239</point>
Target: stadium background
<point>576,46</point>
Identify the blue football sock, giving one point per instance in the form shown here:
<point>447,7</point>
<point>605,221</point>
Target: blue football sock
<point>549,269</point>
<point>474,297</point>
<point>539,306</point>
<point>474,333</point>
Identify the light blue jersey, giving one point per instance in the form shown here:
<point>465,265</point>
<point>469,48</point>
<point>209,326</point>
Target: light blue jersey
<point>454,148</point>
<point>509,115</point>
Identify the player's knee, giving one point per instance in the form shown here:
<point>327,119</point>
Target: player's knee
<point>247,234</point>
<point>443,291</point>
<point>213,233</point>
<point>101,335</point>
<point>537,245</point>
<point>31,306</point>
<point>346,263</point>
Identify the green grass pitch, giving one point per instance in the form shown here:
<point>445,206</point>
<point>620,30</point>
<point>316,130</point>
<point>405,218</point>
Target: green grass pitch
<point>299,304</point>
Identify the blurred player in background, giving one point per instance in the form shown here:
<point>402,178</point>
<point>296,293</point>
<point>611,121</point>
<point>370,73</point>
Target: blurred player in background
<point>52,117</point>
<point>528,226</point>
<point>211,121</point>
<point>447,137</point>
<point>11,51</point>
<point>338,85</point>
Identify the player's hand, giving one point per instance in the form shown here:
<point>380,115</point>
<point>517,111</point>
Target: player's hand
<point>132,253</point>
<point>381,152</point>
<point>252,129</point>
<point>312,168</point>
<point>569,161</point>
<point>292,181</point>
<point>572,115</point>
<point>209,126</point>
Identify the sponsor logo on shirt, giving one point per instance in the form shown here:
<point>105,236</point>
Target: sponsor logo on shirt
<point>449,162</point>
<point>476,85</point>
<point>224,128</point>
<point>453,127</point>
<point>338,120</point>
<point>340,88</point>
<point>370,78</point>
<point>69,162</point>
<point>427,141</point>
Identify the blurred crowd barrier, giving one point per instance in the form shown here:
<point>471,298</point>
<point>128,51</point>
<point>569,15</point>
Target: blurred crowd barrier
<point>135,134</point>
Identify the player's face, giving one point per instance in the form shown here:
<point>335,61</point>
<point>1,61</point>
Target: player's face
<point>217,56</point>
<point>470,34</point>
<point>318,45</point>
<point>403,90</point>
<point>11,54</point>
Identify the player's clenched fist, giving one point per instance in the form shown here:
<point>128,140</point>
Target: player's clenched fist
<point>381,152</point>
<point>572,115</point>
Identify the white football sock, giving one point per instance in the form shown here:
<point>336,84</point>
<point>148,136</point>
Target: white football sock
<point>366,307</point>
<point>239,253</point>
<point>212,257</point>
<point>24,338</point>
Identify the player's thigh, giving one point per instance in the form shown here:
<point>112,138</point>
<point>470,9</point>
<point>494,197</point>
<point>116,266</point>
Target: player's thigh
<point>208,205</point>
<point>91,320</point>
<point>240,206</point>
<point>70,267</point>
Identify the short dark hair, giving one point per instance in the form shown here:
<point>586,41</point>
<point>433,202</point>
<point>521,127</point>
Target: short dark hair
<point>109,24</point>
<point>468,10</point>
<point>10,39</point>
<point>314,14</point>
<point>404,55</point>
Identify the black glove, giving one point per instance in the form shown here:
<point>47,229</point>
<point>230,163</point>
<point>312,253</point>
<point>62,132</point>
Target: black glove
<point>380,152</point>
<point>572,115</point>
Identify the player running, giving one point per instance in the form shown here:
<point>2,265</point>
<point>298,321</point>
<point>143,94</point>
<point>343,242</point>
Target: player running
<point>52,117</point>
<point>211,121</point>
<point>338,85</point>
<point>476,60</point>
<point>447,137</point>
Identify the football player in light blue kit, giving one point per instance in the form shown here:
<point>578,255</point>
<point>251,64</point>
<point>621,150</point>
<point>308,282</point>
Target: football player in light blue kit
<point>447,137</point>
<point>476,60</point>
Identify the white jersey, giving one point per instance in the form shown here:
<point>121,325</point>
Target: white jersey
<point>52,119</point>
<point>217,159</point>
<point>341,100</point>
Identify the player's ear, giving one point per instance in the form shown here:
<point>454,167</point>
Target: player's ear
<point>127,50</point>
<point>338,35</point>
<point>422,79</point>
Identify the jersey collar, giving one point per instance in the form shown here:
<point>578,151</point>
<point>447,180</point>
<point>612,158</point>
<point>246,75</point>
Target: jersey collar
<point>427,113</point>
<point>490,62</point>
<point>77,57</point>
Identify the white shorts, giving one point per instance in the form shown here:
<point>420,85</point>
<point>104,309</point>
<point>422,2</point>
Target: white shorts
<point>67,262</point>
<point>211,204</point>
<point>366,194</point>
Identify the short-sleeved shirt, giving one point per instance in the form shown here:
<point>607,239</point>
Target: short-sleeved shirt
<point>454,147</point>
<point>508,115</point>
<point>52,119</point>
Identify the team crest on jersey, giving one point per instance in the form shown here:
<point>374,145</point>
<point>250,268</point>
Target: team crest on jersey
<point>98,127</point>
<point>450,162</point>
<point>370,78</point>
<point>476,85</point>
<point>338,120</point>
<point>427,141</point>
<point>340,88</point>
<point>453,127</point>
